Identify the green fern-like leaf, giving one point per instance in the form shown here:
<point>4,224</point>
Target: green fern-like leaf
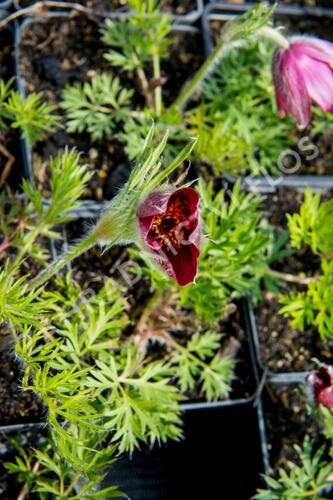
<point>33,116</point>
<point>303,481</point>
<point>96,106</point>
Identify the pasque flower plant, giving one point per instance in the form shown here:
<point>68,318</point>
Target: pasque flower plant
<point>147,210</point>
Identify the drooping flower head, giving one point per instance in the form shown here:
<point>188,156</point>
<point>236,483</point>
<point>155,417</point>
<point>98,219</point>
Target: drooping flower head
<point>320,386</point>
<point>303,72</point>
<point>169,225</point>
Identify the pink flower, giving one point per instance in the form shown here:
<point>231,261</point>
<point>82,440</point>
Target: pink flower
<point>301,73</point>
<point>320,385</point>
<point>169,225</point>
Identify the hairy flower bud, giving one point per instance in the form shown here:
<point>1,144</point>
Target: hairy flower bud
<point>169,226</point>
<point>320,386</point>
<point>303,72</point>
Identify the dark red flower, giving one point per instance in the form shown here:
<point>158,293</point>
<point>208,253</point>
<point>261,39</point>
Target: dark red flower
<point>320,383</point>
<point>169,225</point>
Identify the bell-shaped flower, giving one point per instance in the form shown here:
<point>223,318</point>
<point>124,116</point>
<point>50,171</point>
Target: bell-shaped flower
<point>302,72</point>
<point>320,386</point>
<point>169,225</point>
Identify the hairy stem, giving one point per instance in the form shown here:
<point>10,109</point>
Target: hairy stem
<point>206,69</point>
<point>291,278</point>
<point>158,89</point>
<point>25,247</point>
<point>54,267</point>
<point>275,35</point>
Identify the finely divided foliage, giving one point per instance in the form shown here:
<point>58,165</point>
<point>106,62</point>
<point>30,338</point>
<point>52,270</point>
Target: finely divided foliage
<point>305,480</point>
<point>74,351</point>
<point>227,116</point>
<point>33,116</point>
<point>96,106</point>
<point>312,227</point>
<point>85,357</point>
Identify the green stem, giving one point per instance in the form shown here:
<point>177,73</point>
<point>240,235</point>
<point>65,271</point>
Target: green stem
<point>88,242</point>
<point>72,484</point>
<point>290,278</point>
<point>205,70</point>
<point>158,89</point>
<point>148,310</point>
<point>28,243</point>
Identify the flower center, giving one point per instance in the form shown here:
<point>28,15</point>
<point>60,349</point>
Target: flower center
<point>170,227</point>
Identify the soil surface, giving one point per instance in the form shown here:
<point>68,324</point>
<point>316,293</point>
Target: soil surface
<point>176,7</point>
<point>288,422</point>
<point>16,406</point>
<point>284,349</point>
<point>92,269</point>
<point>53,55</point>
<point>9,145</point>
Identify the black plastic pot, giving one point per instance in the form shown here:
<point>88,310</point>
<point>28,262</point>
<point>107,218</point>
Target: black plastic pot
<point>190,17</point>
<point>219,457</point>
<point>21,427</point>
<point>327,493</point>
<point>223,11</point>
<point>266,402</point>
<point>89,208</point>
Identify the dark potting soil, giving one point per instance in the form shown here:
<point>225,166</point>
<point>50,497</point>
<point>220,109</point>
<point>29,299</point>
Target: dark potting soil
<point>10,488</point>
<point>176,7</point>
<point>284,349</point>
<point>16,406</point>
<point>58,53</point>
<point>288,422</point>
<point>10,172</point>
<point>320,162</point>
<point>93,268</point>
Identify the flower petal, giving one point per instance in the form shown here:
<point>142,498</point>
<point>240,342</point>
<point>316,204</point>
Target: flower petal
<point>184,264</point>
<point>188,196</point>
<point>318,77</point>
<point>321,50</point>
<point>291,93</point>
<point>325,397</point>
<point>155,203</point>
